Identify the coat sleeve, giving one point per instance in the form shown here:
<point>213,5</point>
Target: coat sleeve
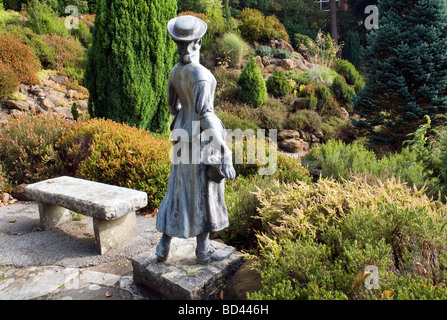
<point>203,98</point>
<point>173,100</point>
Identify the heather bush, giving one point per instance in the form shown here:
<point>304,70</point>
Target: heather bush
<point>318,239</point>
<point>105,151</point>
<point>70,58</point>
<point>306,120</point>
<point>272,114</point>
<point>43,51</point>
<point>242,202</point>
<point>234,122</point>
<point>278,85</point>
<point>20,58</point>
<point>4,181</point>
<point>28,147</point>
<point>8,80</point>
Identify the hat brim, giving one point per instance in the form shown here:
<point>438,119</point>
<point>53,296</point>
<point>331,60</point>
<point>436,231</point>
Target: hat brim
<point>198,34</point>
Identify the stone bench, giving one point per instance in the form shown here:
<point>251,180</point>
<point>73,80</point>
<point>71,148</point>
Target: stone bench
<point>112,208</point>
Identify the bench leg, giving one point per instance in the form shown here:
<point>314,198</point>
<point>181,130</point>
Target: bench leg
<point>51,215</point>
<point>109,234</point>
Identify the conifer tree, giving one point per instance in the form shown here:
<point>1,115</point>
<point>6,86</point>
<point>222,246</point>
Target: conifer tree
<point>406,70</point>
<point>253,87</point>
<point>129,62</point>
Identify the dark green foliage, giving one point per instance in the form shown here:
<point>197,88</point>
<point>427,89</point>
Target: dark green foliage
<point>343,93</point>
<point>278,85</point>
<point>406,71</point>
<point>351,49</point>
<point>253,88</point>
<point>129,62</point>
<point>74,111</point>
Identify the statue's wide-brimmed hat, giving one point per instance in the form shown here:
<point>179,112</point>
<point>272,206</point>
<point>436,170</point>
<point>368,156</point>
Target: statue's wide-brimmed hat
<point>187,28</point>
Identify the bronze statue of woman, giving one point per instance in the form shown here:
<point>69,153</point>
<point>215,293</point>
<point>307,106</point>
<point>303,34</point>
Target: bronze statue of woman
<point>194,204</point>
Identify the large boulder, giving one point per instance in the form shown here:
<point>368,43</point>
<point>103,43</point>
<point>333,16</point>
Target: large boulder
<point>294,145</point>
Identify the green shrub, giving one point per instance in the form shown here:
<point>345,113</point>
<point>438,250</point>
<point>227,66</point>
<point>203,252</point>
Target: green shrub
<point>327,105</point>
<point>347,70</point>
<point>28,147</point>
<point>129,63</point>
<point>340,161</point>
<point>105,151</point>
<point>299,77</point>
<point>278,85</point>
<point>312,101</point>
<point>43,20</point>
<point>253,88</point>
<point>83,34</point>
<point>318,239</point>
<point>264,51</point>
<point>8,80</point>
<point>343,93</point>
<point>233,122</point>
<point>232,48</point>
<point>254,26</point>
<point>305,45</point>
<point>306,120</point>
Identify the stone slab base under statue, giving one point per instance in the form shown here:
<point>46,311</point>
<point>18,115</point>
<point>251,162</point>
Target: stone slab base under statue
<point>181,277</point>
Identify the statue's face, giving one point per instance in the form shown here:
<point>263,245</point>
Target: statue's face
<point>187,50</point>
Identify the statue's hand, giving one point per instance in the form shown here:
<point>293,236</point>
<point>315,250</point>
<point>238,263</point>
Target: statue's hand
<point>228,171</point>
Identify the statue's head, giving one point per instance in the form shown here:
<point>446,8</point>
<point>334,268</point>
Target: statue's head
<point>187,32</point>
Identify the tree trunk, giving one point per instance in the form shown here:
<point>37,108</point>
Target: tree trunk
<point>333,11</point>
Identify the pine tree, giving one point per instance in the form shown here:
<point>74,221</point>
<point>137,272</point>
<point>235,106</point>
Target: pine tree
<point>129,62</point>
<point>406,70</point>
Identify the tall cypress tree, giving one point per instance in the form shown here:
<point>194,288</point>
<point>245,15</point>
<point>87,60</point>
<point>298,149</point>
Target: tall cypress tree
<point>406,70</point>
<point>129,62</point>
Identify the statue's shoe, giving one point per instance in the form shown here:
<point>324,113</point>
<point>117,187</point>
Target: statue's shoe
<point>162,251</point>
<point>212,254</point>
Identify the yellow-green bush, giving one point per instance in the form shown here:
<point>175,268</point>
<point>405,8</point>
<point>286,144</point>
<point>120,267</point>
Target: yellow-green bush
<point>27,148</point>
<point>109,152</point>
<point>4,182</point>
<point>319,238</point>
